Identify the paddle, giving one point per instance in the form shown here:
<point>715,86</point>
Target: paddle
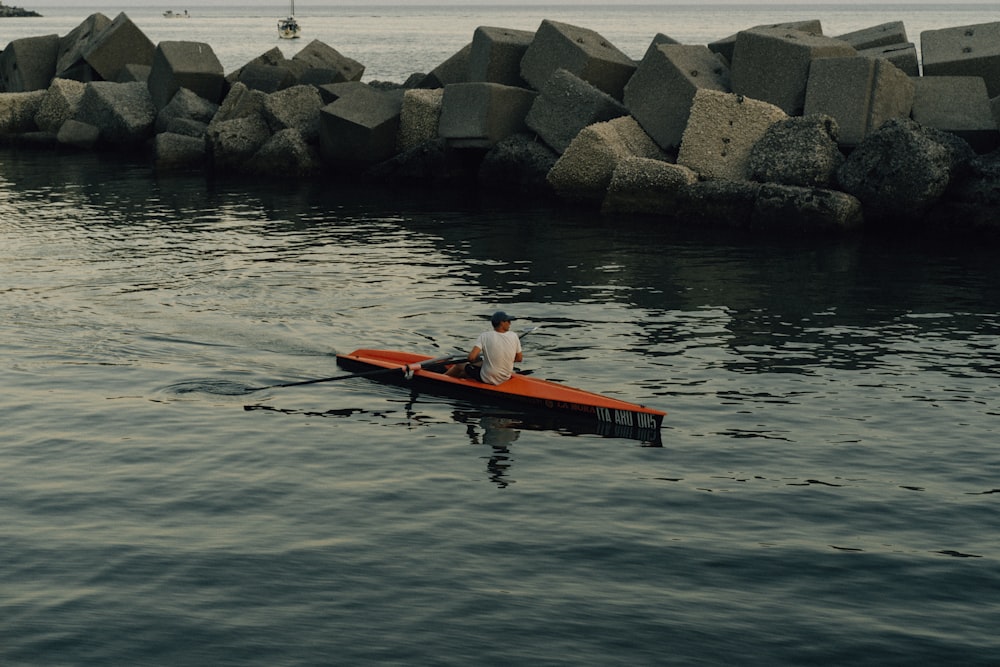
<point>450,359</point>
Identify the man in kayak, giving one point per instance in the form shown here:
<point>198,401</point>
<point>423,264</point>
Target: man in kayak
<point>493,357</point>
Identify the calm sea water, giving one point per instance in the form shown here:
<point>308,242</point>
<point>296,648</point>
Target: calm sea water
<point>826,492</point>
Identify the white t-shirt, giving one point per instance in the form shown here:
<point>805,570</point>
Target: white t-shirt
<point>499,350</point>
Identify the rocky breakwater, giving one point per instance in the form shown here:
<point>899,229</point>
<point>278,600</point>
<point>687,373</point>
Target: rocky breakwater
<point>12,12</point>
<point>775,127</point>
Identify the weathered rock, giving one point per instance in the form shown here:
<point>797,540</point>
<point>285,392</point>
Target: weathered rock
<point>70,63</point>
<point>18,111</point>
<point>859,93</point>
<point>478,115</point>
<point>800,151</point>
<point>972,50</point>
<point>78,134</point>
<point>295,108</point>
<point>581,51</point>
<point>566,105</point>
<point>427,163</point>
<point>496,54</point>
<point>419,117</point>
<point>662,90</point>
<point>173,152</point>
<point>786,207</point>
<point>717,204</point>
<point>453,70</point>
<point>232,143</point>
<point>583,172</point>
<point>317,55</point>
<point>995,110</point>
<point>28,64</point>
<point>119,44</point>
<point>186,104</point>
<point>287,154</point>
<point>518,163</point>
<point>123,112</point>
<point>646,186</point>
<point>722,131</point>
<point>979,184</point>
<point>726,47</point>
<point>957,104</point>
<point>191,65</point>
<point>901,169</point>
<point>60,103</point>
<point>359,129</point>
<point>772,64</point>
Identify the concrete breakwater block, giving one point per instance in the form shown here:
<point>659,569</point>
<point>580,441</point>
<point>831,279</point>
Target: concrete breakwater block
<point>789,207</point>
<point>581,51</point>
<point>722,131</point>
<point>123,112</point>
<point>584,171</point>
<point>266,78</point>
<point>959,105</point>
<point>726,46</point>
<point>859,93</point>
<point>360,128</point>
<point>18,111</point>
<point>566,105</point>
<point>478,115</point>
<point>800,151</point>
<point>419,117</point>
<point>885,34</point>
<point>119,44</point>
<point>70,63</point>
<point>647,186</point>
<point>972,50</point>
<point>903,56</point>
<point>61,101</point>
<point>191,65</point>
<point>453,70</point>
<point>28,64</point>
<point>185,108</point>
<point>772,64</point>
<point>335,66</point>
<point>296,108</point>
<point>496,55</point>
<point>660,93</point>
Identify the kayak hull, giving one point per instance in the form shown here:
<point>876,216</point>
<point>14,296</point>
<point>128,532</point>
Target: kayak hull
<point>605,414</point>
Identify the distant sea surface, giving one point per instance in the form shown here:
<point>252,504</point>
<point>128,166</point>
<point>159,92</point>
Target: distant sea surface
<point>394,42</point>
<point>826,491</point>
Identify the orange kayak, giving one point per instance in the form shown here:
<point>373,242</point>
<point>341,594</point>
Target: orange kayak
<point>607,414</point>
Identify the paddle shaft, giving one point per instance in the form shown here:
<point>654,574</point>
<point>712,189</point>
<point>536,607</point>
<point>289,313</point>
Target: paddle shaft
<point>450,359</point>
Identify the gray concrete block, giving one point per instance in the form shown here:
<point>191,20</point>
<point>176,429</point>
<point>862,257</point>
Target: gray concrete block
<point>18,111</point>
<point>792,208</point>
<point>331,92</point>
<point>959,105</point>
<point>584,171</point>
<point>903,56</point>
<point>646,186</point>
<point>70,63</point>
<point>232,143</point>
<point>272,57</point>
<point>772,64</point>
<point>265,78</point>
<point>478,115</point>
<point>286,154</point>
<point>722,131</point>
<point>295,108</point>
<point>360,128</point>
<point>995,110</point>
<point>172,152</point>
<point>123,112</point>
<point>60,103</point>
<point>566,105</point>
<point>885,34</point>
<point>28,64</point>
<point>119,44</point>
<point>519,163</point>
<point>859,93</point>
<point>725,46</point>
<point>186,104</point>
<point>453,70</point>
<point>131,73</point>
<point>191,65</point>
<point>240,102</point>
<point>78,134</point>
<point>972,50</point>
<point>496,55</point>
<point>318,55</point>
<point>580,51</point>
<point>660,93</point>
<point>419,117</point>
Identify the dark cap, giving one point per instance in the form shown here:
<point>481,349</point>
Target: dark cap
<point>501,316</point>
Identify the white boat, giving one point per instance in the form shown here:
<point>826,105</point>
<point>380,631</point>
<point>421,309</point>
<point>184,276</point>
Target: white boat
<point>288,28</point>
<point>170,14</point>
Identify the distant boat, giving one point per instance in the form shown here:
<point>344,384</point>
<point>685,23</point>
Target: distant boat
<point>170,14</point>
<point>288,28</point>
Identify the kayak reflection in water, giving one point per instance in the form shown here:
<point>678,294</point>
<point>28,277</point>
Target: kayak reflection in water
<point>492,358</point>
